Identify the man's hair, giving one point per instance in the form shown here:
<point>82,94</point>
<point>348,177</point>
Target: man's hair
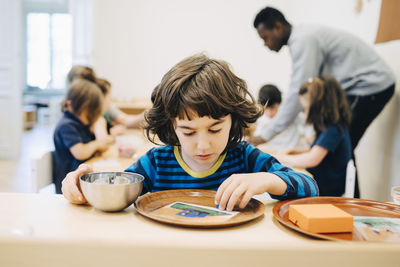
<point>269,95</point>
<point>328,103</point>
<point>84,95</point>
<point>269,17</point>
<point>201,86</point>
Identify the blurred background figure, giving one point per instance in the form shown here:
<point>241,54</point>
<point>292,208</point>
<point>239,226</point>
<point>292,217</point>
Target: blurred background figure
<point>270,97</point>
<point>328,111</point>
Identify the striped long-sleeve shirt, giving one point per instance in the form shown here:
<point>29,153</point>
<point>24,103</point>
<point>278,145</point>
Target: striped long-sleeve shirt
<point>164,169</point>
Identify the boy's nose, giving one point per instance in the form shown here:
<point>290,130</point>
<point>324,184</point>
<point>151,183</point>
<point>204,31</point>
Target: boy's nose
<point>203,143</point>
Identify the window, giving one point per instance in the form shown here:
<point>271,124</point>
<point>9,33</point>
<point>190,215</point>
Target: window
<point>48,45</point>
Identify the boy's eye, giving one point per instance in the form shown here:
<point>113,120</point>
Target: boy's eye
<point>214,131</point>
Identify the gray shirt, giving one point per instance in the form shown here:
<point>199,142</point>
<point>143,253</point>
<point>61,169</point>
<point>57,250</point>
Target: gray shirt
<point>319,50</point>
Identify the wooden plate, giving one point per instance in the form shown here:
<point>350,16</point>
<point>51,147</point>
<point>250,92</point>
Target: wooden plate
<point>148,203</point>
<point>356,207</point>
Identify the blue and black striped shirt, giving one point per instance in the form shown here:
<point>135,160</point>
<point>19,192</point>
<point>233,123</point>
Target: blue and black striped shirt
<point>164,169</point>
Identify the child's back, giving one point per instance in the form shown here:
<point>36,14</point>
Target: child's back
<point>82,106</point>
<point>69,132</point>
<point>330,174</point>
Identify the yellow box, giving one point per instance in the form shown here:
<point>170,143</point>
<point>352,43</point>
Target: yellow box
<point>321,218</point>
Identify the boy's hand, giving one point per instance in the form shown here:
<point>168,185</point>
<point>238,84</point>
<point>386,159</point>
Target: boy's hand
<point>239,188</point>
<point>70,185</point>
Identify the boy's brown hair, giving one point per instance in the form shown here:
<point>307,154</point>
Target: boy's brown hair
<point>84,95</point>
<point>205,87</point>
<point>328,103</point>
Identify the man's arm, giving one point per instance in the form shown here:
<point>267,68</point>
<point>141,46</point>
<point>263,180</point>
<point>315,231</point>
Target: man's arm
<point>307,58</point>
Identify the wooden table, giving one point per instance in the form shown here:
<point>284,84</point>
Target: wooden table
<point>58,233</point>
<point>134,106</point>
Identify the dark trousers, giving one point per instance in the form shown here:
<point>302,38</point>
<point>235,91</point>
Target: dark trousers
<point>364,109</point>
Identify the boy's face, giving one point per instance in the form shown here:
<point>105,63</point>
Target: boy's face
<point>202,140</point>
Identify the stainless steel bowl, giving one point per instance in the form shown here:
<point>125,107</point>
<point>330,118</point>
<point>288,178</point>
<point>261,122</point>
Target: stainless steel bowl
<point>111,191</point>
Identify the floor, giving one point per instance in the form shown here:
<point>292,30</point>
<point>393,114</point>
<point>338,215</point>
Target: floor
<point>15,174</point>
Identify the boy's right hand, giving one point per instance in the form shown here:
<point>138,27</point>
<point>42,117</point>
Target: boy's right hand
<point>70,185</point>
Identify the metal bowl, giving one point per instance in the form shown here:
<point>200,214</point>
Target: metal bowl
<point>111,191</point>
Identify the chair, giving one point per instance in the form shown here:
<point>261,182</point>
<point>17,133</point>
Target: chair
<point>42,173</point>
<point>350,179</point>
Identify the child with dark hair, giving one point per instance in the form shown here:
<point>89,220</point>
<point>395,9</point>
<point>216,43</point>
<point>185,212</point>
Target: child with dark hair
<point>74,140</point>
<point>200,110</point>
<point>327,109</point>
<point>270,97</point>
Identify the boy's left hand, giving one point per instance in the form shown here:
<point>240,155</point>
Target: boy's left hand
<point>239,189</point>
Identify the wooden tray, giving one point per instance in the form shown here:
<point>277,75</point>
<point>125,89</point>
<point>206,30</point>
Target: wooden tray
<point>153,201</point>
<point>356,207</point>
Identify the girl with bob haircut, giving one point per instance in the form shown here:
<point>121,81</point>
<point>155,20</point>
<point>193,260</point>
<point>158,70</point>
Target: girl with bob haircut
<point>200,109</point>
<point>74,140</point>
<point>327,109</point>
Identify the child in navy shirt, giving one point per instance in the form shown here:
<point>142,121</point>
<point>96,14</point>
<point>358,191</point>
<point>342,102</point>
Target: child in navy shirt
<point>73,138</point>
<point>327,109</point>
<point>200,110</point>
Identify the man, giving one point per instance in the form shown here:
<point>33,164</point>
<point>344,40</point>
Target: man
<point>318,50</point>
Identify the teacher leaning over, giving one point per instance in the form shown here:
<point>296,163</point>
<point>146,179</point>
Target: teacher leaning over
<point>318,50</point>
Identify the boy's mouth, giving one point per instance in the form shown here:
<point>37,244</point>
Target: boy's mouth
<point>204,156</point>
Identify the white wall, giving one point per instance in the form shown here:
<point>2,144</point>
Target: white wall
<point>136,42</point>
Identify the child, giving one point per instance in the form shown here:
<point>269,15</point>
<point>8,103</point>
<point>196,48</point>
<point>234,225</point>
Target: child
<point>81,72</point>
<point>113,114</point>
<point>199,112</point>
<point>327,109</point>
<point>270,98</point>
<point>103,129</point>
<point>73,139</point>
<point>116,117</point>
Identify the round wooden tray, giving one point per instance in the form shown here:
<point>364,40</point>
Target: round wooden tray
<point>354,206</point>
<point>148,203</point>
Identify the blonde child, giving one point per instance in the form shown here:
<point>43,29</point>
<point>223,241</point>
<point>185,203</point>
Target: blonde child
<point>200,110</point>
<point>74,140</point>
<point>103,129</point>
<point>117,120</point>
<point>327,109</point>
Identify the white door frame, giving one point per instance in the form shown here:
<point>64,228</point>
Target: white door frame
<point>10,78</point>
